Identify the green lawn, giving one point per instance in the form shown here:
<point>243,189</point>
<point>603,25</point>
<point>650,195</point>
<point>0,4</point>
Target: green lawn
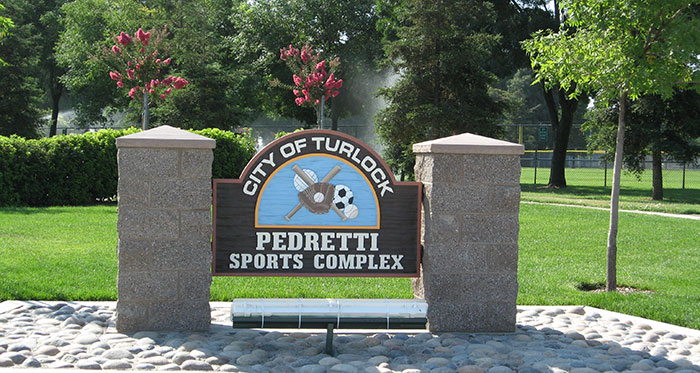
<point>69,253</point>
<point>585,187</point>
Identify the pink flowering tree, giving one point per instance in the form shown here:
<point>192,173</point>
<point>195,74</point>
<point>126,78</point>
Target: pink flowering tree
<point>137,64</point>
<point>314,78</point>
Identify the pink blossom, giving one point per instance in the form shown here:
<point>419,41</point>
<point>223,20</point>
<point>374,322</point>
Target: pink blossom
<point>304,56</point>
<point>115,75</point>
<point>179,83</point>
<point>128,63</point>
<point>138,66</point>
<point>124,38</point>
<point>297,80</point>
<point>296,92</point>
<point>167,61</point>
<point>130,73</point>
<point>151,91</point>
<point>120,84</point>
<point>330,83</point>
<point>283,54</point>
<point>299,101</point>
<point>116,50</point>
<point>321,65</point>
<point>162,97</point>
<point>133,91</point>
<point>335,93</point>
<point>143,36</point>
<point>167,80</point>
<point>167,91</point>
<point>157,60</point>
<point>319,76</point>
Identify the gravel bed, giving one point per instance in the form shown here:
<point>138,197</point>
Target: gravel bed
<point>547,339</point>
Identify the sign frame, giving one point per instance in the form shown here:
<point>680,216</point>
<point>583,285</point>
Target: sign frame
<point>259,159</point>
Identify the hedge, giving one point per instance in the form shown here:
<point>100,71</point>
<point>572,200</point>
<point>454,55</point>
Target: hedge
<point>82,169</point>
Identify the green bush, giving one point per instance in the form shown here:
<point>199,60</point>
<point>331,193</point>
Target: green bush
<point>232,152</point>
<point>82,169</point>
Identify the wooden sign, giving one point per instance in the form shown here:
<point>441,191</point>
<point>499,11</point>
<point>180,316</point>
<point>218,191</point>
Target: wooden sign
<point>316,203</point>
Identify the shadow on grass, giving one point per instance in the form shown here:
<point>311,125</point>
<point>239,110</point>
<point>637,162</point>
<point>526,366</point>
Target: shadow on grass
<point>53,210</point>
<point>676,195</point>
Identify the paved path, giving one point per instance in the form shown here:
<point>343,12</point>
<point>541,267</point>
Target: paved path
<point>81,335</point>
<point>664,214</point>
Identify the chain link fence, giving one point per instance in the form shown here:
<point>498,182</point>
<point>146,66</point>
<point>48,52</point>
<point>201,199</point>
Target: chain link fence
<point>585,168</point>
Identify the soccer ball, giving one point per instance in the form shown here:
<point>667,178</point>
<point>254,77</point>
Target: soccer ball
<point>342,196</point>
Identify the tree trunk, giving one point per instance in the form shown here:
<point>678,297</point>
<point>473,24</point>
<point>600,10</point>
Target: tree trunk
<point>334,114</point>
<point>657,182</point>
<point>54,115</point>
<point>561,128</point>
<point>611,273</point>
<point>557,177</point>
<point>56,90</point>
<point>145,119</point>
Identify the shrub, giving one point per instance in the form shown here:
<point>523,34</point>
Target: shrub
<point>82,169</point>
<point>232,152</point>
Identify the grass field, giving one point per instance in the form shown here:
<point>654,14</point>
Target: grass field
<point>69,253</point>
<point>585,187</point>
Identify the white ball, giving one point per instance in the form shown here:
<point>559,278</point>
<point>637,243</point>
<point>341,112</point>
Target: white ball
<point>300,184</point>
<point>351,211</point>
<point>318,197</point>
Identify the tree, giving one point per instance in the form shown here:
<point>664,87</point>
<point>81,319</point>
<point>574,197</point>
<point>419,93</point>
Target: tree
<point>440,51</point>
<point>345,29</point>
<point>138,63</point>
<point>666,129</point>
<point>219,94</point>
<point>88,27</point>
<point>21,94</point>
<point>49,28</point>
<point>621,50</point>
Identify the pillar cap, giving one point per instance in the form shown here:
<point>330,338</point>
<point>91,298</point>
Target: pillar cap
<point>468,143</point>
<point>166,137</point>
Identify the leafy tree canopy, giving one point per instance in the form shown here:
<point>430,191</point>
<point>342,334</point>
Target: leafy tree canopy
<point>5,25</point>
<point>636,46</point>
<point>21,94</point>
<point>439,53</point>
<point>669,126</point>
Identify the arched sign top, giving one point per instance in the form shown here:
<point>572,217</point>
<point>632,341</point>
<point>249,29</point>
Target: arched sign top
<point>316,202</point>
<point>351,202</point>
<point>305,142</point>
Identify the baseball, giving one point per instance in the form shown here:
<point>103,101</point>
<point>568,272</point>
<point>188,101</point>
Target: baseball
<point>318,197</point>
<point>351,211</point>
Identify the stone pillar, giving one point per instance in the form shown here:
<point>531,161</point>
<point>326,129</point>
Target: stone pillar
<point>164,229</point>
<point>470,214</point>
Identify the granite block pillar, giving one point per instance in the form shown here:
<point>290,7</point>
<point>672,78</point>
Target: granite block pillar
<point>470,214</point>
<point>164,229</point>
